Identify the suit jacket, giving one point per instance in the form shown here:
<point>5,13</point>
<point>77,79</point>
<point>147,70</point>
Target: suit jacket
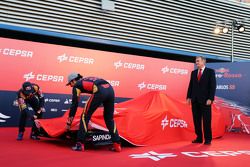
<point>201,91</point>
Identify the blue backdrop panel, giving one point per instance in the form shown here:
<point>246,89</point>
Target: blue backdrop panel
<point>233,82</point>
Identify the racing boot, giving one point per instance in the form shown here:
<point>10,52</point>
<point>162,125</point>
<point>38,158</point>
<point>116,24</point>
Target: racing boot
<point>116,147</point>
<point>34,137</point>
<point>78,147</point>
<point>20,136</point>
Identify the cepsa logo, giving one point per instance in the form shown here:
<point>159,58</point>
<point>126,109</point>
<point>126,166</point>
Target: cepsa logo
<point>47,100</point>
<point>174,70</point>
<point>193,154</point>
<point>127,65</point>
<point>16,52</point>
<point>43,77</point>
<point>114,83</point>
<point>3,117</point>
<point>173,123</point>
<point>225,73</point>
<point>75,59</point>
<point>151,86</point>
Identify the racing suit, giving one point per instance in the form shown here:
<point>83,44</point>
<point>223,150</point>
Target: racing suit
<point>36,101</point>
<point>101,93</point>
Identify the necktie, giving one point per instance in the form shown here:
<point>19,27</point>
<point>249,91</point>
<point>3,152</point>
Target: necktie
<point>199,74</point>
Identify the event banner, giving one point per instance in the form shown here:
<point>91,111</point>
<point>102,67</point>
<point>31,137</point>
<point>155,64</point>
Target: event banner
<point>48,66</point>
<point>233,80</point>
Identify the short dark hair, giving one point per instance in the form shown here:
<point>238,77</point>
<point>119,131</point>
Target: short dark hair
<point>202,57</point>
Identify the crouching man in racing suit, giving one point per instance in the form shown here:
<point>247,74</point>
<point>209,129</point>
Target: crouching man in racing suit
<point>101,93</point>
<point>30,95</point>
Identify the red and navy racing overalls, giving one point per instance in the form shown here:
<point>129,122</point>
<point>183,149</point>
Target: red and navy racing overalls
<point>36,101</point>
<point>101,93</point>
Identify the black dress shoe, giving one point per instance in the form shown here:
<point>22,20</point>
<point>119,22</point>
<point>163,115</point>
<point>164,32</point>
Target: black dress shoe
<point>207,143</point>
<point>197,141</point>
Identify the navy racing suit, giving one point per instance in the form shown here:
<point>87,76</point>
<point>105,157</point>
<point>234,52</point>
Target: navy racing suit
<point>35,100</point>
<point>101,93</point>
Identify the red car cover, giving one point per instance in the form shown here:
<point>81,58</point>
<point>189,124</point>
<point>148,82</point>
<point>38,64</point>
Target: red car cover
<point>153,118</point>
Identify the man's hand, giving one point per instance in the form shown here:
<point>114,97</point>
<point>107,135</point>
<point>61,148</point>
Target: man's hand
<point>188,101</point>
<point>67,127</point>
<point>41,110</point>
<point>35,117</point>
<point>69,122</point>
<point>209,102</point>
<point>38,125</point>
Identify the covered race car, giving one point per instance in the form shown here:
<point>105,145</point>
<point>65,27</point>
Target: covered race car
<point>153,118</point>
<point>55,128</point>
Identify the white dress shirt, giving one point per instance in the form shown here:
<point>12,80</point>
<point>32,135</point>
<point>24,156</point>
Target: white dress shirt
<point>202,70</point>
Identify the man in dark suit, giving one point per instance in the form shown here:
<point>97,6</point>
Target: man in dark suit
<point>201,92</point>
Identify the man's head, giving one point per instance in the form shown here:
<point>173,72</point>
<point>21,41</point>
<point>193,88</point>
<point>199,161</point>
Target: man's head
<point>200,61</point>
<point>27,88</point>
<point>72,78</point>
